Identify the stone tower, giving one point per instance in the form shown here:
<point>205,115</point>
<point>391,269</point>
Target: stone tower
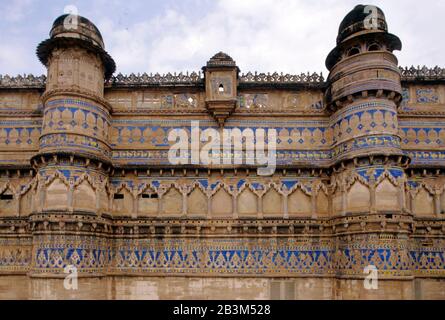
<point>74,151</point>
<point>368,181</point>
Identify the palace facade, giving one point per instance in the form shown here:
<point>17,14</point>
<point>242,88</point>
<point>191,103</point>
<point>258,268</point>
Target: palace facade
<point>86,182</point>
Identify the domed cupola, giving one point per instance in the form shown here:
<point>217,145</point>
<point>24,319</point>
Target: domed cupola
<point>69,30</point>
<point>363,23</point>
<point>355,22</point>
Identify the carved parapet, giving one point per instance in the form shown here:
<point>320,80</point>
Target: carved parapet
<point>422,73</point>
<point>419,74</point>
<point>280,78</point>
<point>148,80</point>
<point>22,81</point>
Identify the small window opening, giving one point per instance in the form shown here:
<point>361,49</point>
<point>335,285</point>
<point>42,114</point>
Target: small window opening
<point>118,196</point>
<point>353,52</point>
<point>374,47</point>
<point>149,196</point>
<point>6,197</point>
<point>389,216</point>
<point>221,88</point>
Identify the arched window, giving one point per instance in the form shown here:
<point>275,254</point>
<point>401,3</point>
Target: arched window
<point>353,51</point>
<point>374,47</point>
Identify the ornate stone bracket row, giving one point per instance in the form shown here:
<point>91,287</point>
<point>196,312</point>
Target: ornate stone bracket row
<point>106,225</point>
<point>193,78</point>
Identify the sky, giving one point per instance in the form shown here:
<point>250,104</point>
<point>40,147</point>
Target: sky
<point>290,36</point>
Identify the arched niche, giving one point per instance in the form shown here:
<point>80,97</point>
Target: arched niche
<point>337,201</point>
<point>387,196</point>
<point>27,202</point>
<point>172,202</point>
<point>197,203</point>
<point>8,203</point>
<point>222,204</point>
<point>247,202</point>
<point>148,203</point>
<point>104,200</point>
<point>79,119</point>
<point>322,203</point>
<point>123,203</point>
<point>66,117</point>
<point>272,203</point>
<point>84,197</point>
<point>423,203</point>
<point>299,204</point>
<point>56,197</point>
<point>358,198</point>
<point>442,203</point>
<point>91,121</point>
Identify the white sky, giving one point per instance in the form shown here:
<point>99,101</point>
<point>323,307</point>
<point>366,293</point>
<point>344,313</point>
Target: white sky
<point>290,36</point>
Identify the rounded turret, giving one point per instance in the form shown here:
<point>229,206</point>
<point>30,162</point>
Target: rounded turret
<point>74,30</point>
<point>76,116</point>
<point>364,88</point>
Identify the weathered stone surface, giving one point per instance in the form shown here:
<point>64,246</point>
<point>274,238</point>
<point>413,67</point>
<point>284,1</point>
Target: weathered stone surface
<point>85,179</point>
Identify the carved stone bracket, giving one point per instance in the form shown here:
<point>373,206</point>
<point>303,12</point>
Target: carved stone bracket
<point>221,110</point>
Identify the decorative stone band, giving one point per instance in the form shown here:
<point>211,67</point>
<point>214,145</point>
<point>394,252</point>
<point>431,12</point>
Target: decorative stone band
<point>76,126</point>
<point>103,246</point>
<point>251,257</point>
<point>160,157</point>
<point>363,118</point>
<point>15,254</point>
<point>352,87</point>
<point>90,254</point>
<point>76,116</point>
<point>424,158</point>
<point>367,145</point>
<point>74,144</point>
<point>381,144</point>
<point>376,71</point>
